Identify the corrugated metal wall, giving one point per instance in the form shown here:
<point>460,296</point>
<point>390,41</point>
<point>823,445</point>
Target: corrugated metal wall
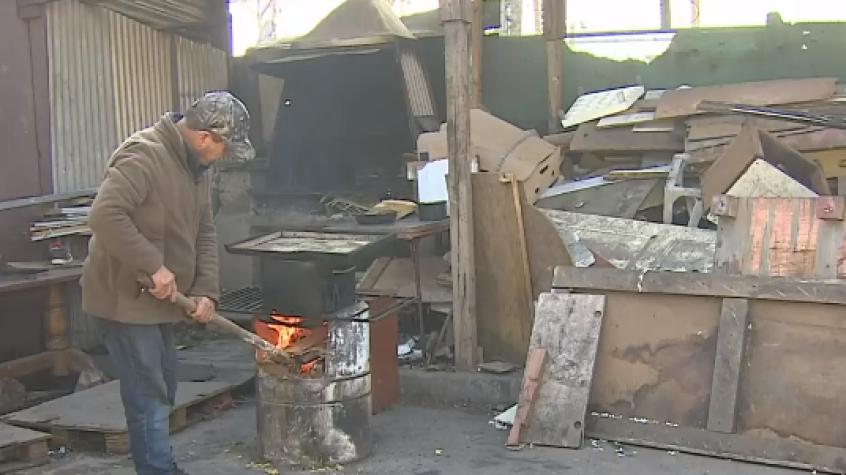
<point>81,93</point>
<point>200,68</point>
<point>141,71</point>
<point>110,76</point>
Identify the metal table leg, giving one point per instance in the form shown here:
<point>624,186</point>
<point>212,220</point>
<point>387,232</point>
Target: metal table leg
<point>415,262</point>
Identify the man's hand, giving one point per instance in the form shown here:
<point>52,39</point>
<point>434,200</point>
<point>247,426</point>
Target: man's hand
<point>164,284</point>
<point>204,311</point>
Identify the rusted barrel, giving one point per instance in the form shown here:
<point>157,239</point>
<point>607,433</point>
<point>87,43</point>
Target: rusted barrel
<point>320,421</point>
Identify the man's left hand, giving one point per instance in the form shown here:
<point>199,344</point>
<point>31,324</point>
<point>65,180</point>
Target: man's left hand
<point>204,311</point>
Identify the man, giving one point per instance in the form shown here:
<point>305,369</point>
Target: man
<point>152,221</point>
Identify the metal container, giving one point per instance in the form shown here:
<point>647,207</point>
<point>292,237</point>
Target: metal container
<point>319,421</point>
<point>306,288</point>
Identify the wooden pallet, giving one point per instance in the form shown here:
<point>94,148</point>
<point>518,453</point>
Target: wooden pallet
<point>21,448</point>
<point>93,420</point>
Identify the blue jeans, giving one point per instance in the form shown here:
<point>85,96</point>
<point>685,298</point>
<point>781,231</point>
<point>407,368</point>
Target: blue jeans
<point>144,358</point>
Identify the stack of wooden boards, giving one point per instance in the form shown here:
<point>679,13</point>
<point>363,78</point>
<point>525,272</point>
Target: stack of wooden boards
<point>68,220</point>
<point>620,147</point>
<point>738,362</point>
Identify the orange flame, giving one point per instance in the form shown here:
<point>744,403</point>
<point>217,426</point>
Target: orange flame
<point>288,329</point>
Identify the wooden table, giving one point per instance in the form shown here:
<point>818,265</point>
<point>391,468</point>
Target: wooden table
<point>59,357</point>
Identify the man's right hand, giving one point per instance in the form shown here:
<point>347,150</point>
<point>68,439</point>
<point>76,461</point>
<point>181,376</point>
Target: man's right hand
<point>164,284</point>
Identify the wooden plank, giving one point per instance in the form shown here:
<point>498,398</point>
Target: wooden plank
<point>99,409</point>
<point>27,365</point>
<point>21,448</point>
<point>504,305</point>
<point>591,139</point>
<point>713,285</point>
<point>477,34</point>
<point>683,102</point>
<point>652,362</point>
<point>780,237</point>
<point>597,196</point>
<point>553,29</point>
<point>567,327</point>
<point>531,381</point>
<point>727,127</point>
<point>793,380</point>
<point>784,452</point>
<point>545,247</point>
<point>456,36</point>
<point>731,341</point>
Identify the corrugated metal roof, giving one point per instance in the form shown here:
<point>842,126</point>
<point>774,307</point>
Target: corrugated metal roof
<point>110,76</point>
<point>162,14</point>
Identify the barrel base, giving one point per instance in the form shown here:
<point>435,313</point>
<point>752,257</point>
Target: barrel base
<point>312,431</point>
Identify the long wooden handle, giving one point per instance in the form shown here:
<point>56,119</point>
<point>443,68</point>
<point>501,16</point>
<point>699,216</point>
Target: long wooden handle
<point>228,326</point>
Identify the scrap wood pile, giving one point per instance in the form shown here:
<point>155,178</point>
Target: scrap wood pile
<point>664,155</point>
<point>711,211</point>
<point>66,220</point>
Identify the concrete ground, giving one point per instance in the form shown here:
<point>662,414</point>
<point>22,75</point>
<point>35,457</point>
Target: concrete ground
<point>407,440</point>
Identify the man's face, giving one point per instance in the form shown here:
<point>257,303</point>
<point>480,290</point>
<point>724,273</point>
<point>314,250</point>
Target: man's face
<point>208,147</point>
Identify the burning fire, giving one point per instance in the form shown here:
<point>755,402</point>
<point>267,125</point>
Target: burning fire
<point>289,330</point>
<point>286,334</point>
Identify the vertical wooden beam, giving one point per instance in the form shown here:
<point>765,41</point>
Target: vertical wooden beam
<point>456,19</point>
<point>666,17</point>
<point>694,12</point>
<point>553,32</point>
<point>477,34</point>
<point>731,342</point>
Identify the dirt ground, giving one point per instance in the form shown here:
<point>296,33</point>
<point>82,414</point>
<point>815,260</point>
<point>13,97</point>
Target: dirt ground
<point>407,440</point>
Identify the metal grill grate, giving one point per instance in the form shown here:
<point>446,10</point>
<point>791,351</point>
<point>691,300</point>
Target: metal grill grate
<point>246,300</point>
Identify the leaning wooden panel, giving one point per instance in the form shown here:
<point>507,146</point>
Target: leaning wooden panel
<point>504,303</point>
<point>656,357</point>
<point>794,378</point>
<point>567,327</point>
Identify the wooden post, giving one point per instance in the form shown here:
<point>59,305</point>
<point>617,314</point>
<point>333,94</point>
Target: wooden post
<point>456,19</point>
<point>57,329</point>
<point>477,34</point>
<point>665,15</point>
<point>694,12</point>
<point>553,31</point>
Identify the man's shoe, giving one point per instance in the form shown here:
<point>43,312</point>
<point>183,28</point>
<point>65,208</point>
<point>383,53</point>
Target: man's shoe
<point>178,471</point>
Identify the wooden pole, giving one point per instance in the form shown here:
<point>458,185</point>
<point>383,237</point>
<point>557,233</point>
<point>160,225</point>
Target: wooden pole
<point>694,12</point>
<point>553,31</point>
<point>665,15</point>
<point>456,18</point>
<point>477,34</point>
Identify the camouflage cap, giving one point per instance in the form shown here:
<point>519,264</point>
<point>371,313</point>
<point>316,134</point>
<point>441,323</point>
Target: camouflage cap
<point>224,115</point>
